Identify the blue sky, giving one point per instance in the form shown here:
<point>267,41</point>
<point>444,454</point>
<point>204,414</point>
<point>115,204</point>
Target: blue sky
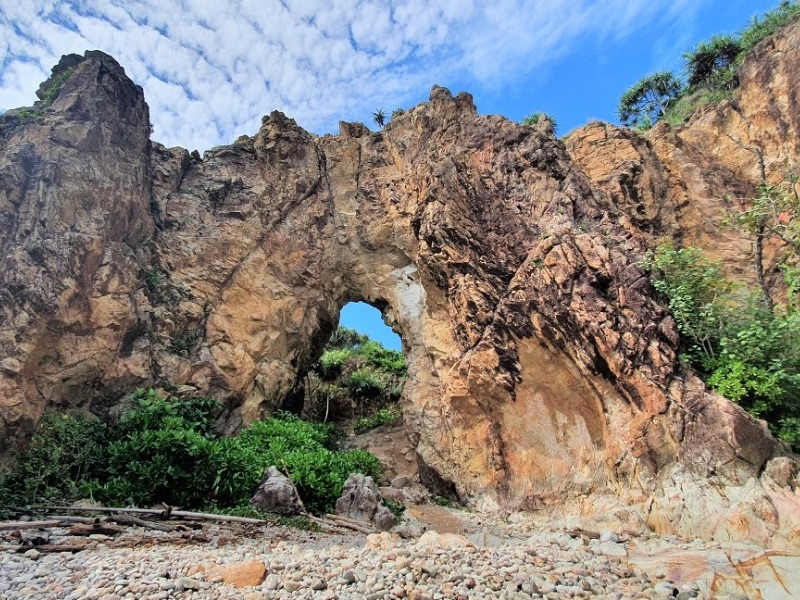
<point>211,68</point>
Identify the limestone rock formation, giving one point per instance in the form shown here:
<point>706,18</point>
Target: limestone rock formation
<point>542,370</point>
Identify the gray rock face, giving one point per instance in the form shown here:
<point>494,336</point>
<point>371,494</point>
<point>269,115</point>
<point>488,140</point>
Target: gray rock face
<point>361,501</point>
<point>276,494</point>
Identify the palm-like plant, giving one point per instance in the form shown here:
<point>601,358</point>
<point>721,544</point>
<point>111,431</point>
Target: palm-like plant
<point>647,101</point>
<point>379,116</point>
<point>712,60</point>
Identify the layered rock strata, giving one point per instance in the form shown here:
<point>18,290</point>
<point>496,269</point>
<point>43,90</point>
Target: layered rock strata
<point>542,370</point>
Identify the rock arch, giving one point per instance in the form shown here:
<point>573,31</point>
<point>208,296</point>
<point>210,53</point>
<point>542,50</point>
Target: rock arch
<point>542,370</point>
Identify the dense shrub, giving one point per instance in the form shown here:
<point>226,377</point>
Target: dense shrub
<point>772,21</point>
<point>534,118</point>
<point>165,450</point>
<point>64,452</point>
<point>331,363</point>
<point>647,101</point>
<point>355,374</point>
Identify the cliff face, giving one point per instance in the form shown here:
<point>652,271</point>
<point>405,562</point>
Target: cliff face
<point>685,183</point>
<point>542,372</point>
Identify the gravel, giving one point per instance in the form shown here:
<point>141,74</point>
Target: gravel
<point>513,562</point>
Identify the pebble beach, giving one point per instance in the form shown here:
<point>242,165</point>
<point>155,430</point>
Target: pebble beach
<point>489,559</point>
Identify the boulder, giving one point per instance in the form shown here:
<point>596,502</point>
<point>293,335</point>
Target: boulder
<point>361,501</point>
<point>276,494</point>
<point>238,574</point>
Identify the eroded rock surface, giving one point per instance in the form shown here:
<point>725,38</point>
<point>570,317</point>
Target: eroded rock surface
<point>542,371</point>
<point>276,494</point>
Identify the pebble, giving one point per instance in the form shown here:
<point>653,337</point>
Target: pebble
<point>514,563</point>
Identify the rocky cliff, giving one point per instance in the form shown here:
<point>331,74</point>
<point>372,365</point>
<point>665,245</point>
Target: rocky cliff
<point>542,370</point>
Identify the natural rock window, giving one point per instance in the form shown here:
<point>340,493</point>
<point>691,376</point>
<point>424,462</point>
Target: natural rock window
<point>359,377</point>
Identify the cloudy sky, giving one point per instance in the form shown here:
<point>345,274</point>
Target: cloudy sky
<point>211,69</point>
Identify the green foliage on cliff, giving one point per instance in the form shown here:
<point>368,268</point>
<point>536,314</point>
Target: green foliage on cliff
<point>534,118</point>
<point>772,21</point>
<point>54,89</point>
<point>354,373</point>
<point>711,72</point>
<point>165,450</point>
<point>648,100</point>
<point>745,350</point>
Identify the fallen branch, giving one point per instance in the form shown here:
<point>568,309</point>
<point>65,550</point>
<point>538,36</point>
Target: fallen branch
<point>347,524</point>
<point>180,514</point>
<point>348,520</point>
<point>49,548</point>
<point>131,520</point>
<point>69,519</point>
<point>20,525</point>
<point>98,527</point>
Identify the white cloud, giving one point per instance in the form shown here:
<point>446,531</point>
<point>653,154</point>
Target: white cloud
<point>210,69</point>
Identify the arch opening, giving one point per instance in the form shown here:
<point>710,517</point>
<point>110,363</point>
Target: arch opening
<point>359,373</point>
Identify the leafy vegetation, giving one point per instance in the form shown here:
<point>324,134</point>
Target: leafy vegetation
<point>54,89</point>
<point>65,452</point>
<point>711,73</point>
<point>48,96</point>
<point>772,21</point>
<point>379,116</point>
<point>185,341</point>
<point>385,416</point>
<point>647,101</point>
<point>355,375</point>
<point>534,118</point>
<point>166,450</point>
<point>744,344</point>
<point>713,62</point>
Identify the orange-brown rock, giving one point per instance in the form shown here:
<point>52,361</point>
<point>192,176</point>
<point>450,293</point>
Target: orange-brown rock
<point>542,370</point>
<point>241,574</point>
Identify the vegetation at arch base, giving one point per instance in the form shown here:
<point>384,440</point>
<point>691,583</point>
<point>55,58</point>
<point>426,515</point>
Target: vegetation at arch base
<point>166,450</point>
<point>357,372</point>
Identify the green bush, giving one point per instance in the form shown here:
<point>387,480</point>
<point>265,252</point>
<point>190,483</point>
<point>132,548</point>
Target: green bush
<point>744,350</point>
<point>647,101</point>
<point>165,450</point>
<point>772,21</point>
<point>534,118</point>
<point>52,92</point>
<point>713,62</point>
<point>687,104</point>
<point>697,295</point>
<point>389,361</point>
<point>344,337</point>
<point>185,341</point>
<point>385,416</point>
<point>355,375</point>
<point>365,385</point>
<point>331,363</point>
<point>64,451</point>
<point>711,71</point>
